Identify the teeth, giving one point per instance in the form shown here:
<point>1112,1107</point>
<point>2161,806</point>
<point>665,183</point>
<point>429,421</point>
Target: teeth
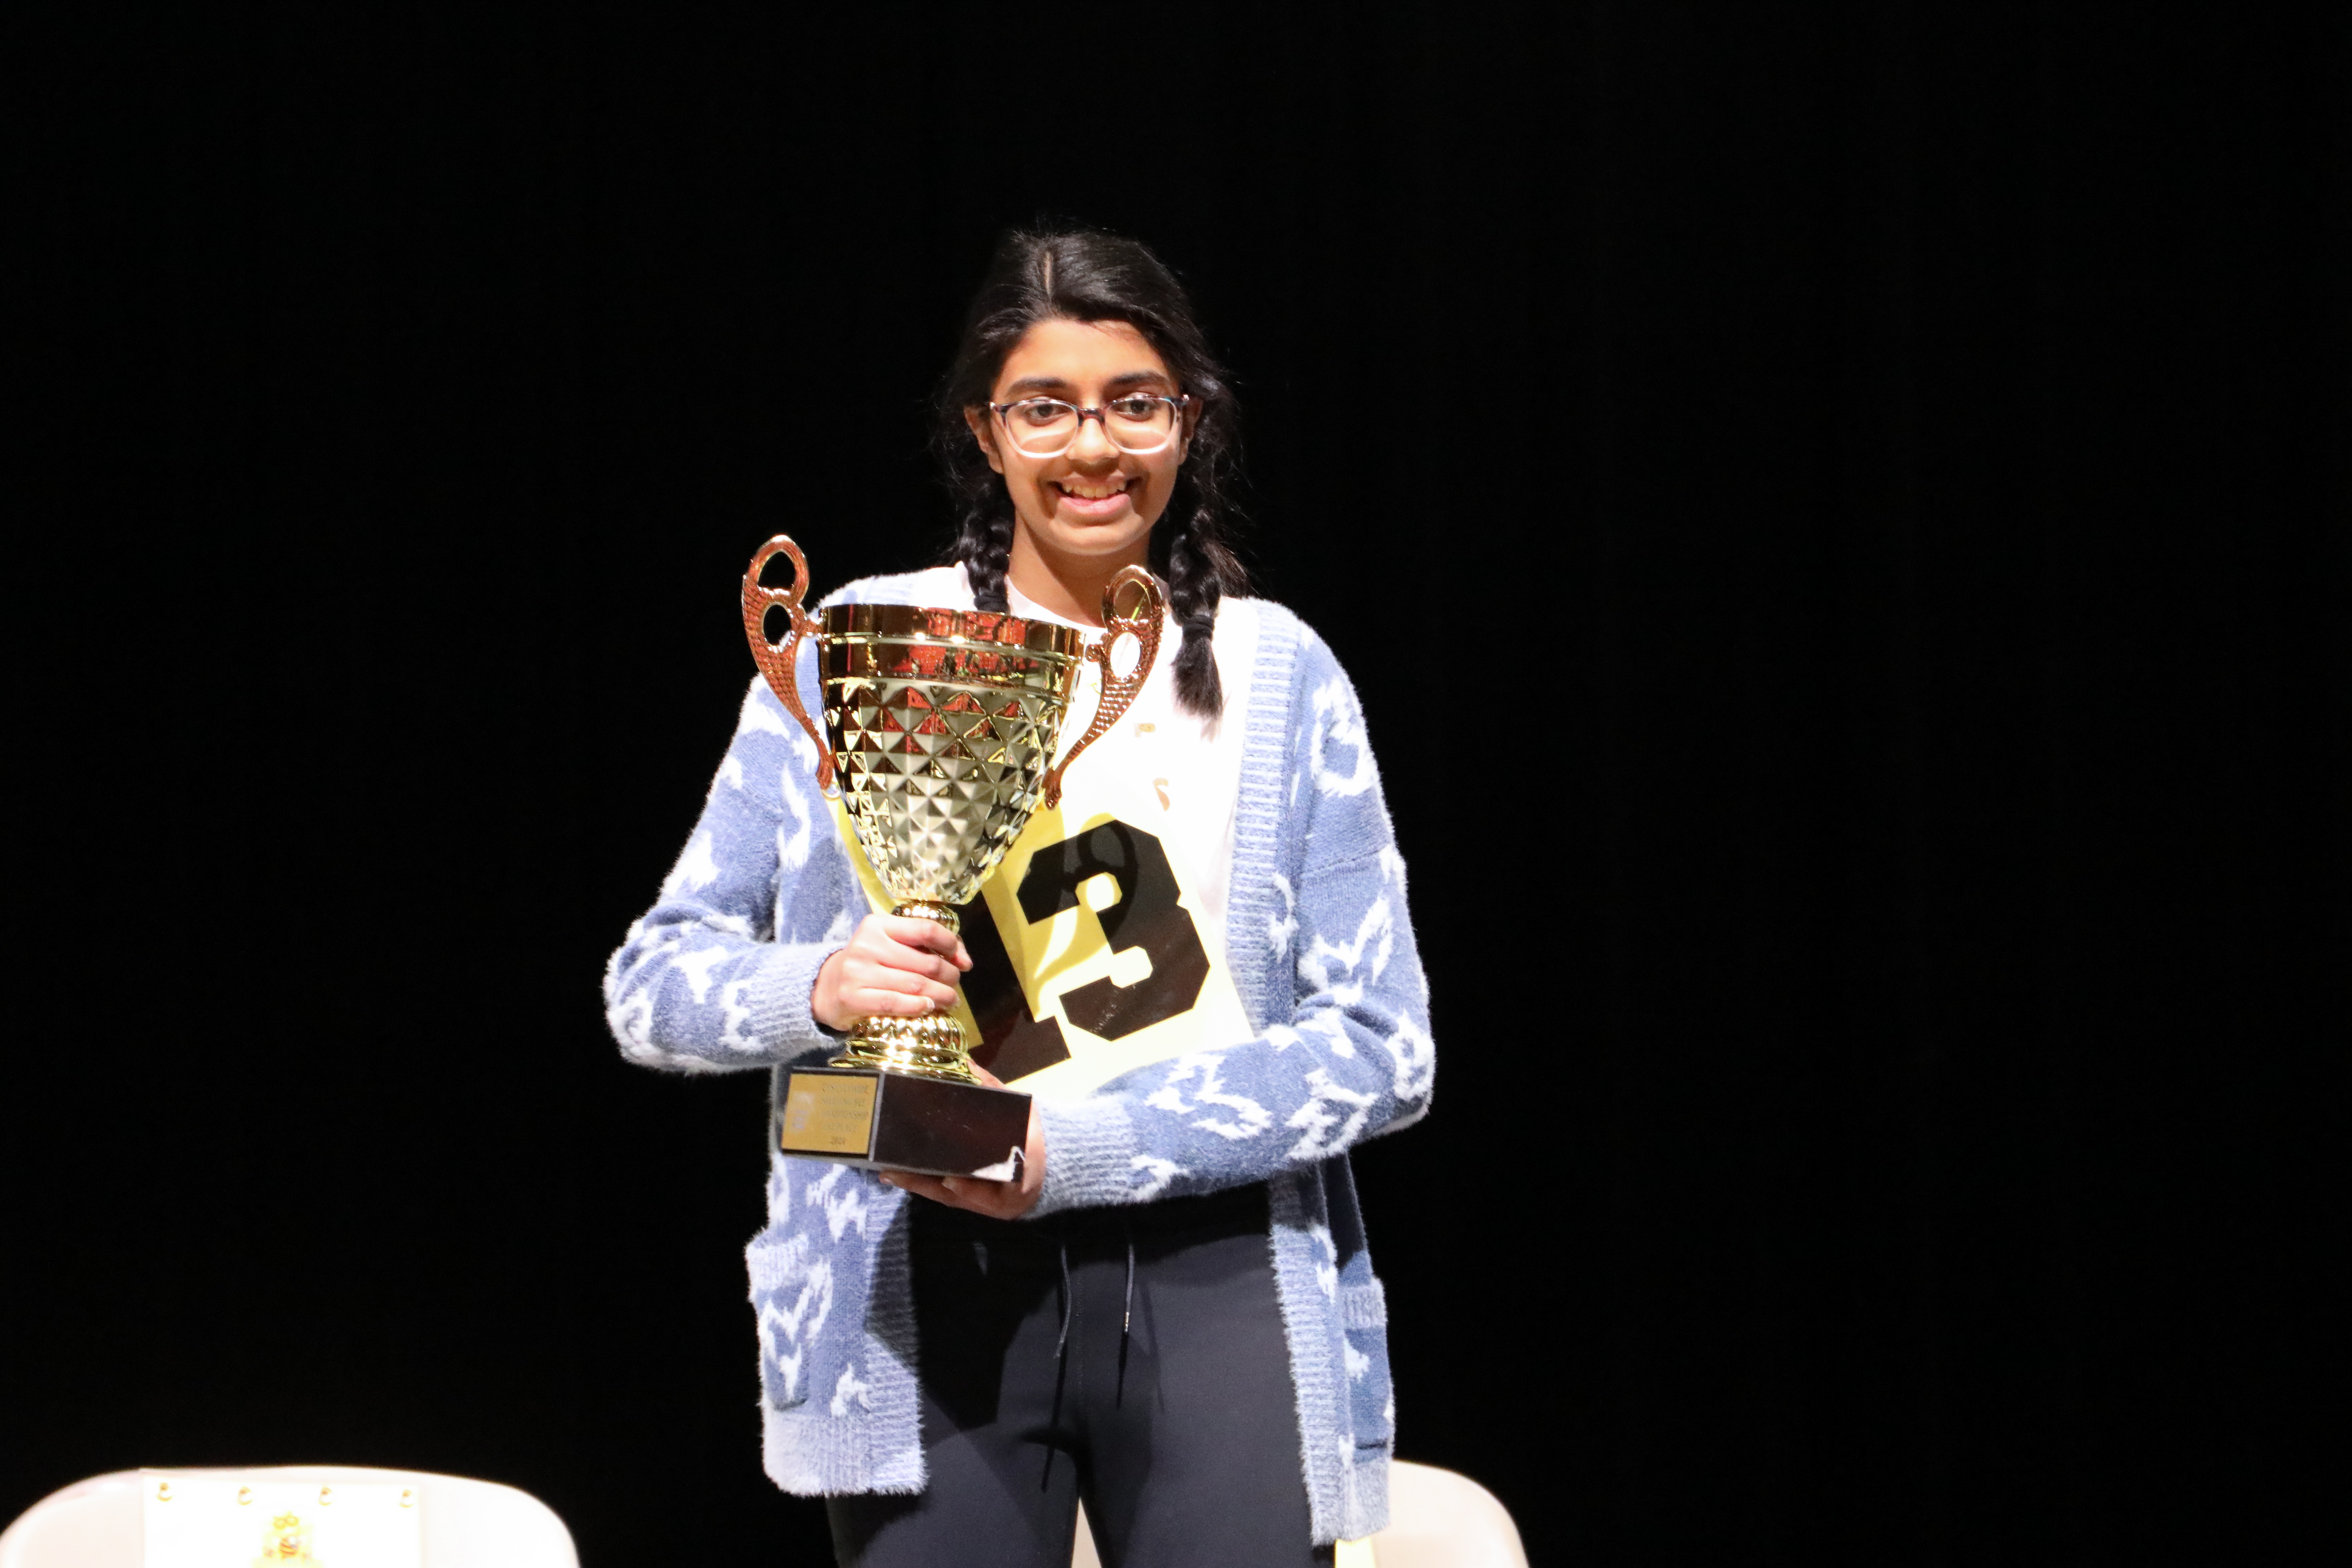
<point>1092,492</point>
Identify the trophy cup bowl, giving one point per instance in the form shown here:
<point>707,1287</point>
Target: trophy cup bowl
<point>942,730</point>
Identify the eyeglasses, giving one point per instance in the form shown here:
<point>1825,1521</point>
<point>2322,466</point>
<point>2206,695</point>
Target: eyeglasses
<point>1139,423</point>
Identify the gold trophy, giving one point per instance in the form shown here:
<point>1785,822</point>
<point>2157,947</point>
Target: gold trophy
<point>940,730</point>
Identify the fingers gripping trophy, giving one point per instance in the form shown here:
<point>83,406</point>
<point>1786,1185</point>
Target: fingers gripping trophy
<point>942,730</point>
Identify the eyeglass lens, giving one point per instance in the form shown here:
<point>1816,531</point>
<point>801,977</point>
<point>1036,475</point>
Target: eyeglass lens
<point>1043,427</point>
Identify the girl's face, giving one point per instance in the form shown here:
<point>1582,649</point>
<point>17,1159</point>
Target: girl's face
<point>1093,503</point>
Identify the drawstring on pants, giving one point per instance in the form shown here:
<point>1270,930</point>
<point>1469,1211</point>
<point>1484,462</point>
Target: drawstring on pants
<point>1126,1316</point>
<point>1061,1359</point>
<point>1061,1336</point>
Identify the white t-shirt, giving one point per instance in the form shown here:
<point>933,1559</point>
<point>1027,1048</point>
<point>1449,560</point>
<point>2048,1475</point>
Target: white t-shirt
<point>1184,772</point>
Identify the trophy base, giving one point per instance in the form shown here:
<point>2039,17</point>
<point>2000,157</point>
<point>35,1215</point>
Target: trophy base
<point>903,1121</point>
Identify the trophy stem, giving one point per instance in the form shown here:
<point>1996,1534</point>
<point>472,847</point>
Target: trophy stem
<point>934,1045</point>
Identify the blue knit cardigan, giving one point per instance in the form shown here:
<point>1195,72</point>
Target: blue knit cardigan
<point>717,976</point>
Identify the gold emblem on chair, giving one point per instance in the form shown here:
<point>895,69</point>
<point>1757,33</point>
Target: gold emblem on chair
<point>288,1542</point>
<point>281,1518</point>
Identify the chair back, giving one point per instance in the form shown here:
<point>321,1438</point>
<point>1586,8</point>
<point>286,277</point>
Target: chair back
<point>1437,1519</point>
<point>464,1523</point>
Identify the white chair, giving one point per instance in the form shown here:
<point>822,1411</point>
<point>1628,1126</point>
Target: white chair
<point>99,1522</point>
<point>1436,1519</point>
<point>1441,1519</point>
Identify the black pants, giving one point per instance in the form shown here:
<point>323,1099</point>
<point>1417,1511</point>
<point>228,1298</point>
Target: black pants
<point>1133,1357</point>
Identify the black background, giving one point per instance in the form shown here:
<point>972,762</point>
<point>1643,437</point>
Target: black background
<point>1837,514</point>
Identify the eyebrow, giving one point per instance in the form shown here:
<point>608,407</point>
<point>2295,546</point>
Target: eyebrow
<point>1032,385</point>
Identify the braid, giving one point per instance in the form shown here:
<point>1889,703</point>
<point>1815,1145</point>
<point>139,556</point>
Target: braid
<point>1199,571</point>
<point>984,544</point>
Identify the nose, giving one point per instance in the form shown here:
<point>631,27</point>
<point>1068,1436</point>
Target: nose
<point>1091,444</point>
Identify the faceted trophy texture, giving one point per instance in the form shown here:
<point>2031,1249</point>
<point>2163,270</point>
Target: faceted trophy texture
<point>942,725</point>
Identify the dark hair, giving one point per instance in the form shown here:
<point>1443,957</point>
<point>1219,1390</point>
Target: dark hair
<point>1084,276</point>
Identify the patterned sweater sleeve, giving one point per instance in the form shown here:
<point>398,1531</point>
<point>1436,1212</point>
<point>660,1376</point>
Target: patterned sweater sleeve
<point>1352,1058</point>
<point>717,975</point>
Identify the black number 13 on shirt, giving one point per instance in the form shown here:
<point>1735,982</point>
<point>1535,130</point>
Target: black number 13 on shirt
<point>1140,914</point>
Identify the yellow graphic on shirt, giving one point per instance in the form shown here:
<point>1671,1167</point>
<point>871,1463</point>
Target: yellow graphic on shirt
<point>1089,963</point>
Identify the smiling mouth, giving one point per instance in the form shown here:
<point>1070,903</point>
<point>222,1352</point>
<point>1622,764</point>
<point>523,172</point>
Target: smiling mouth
<point>1079,489</point>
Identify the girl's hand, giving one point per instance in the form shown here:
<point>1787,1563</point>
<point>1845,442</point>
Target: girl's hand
<point>997,1200</point>
<point>899,968</point>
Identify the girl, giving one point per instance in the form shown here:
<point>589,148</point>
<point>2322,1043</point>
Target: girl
<point>1170,1313</point>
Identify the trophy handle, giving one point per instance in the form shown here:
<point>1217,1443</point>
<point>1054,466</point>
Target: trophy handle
<point>1143,624</point>
<point>776,659</point>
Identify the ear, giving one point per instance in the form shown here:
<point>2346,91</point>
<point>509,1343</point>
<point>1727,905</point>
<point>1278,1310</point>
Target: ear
<point>976,421</point>
<point>1192,423</point>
